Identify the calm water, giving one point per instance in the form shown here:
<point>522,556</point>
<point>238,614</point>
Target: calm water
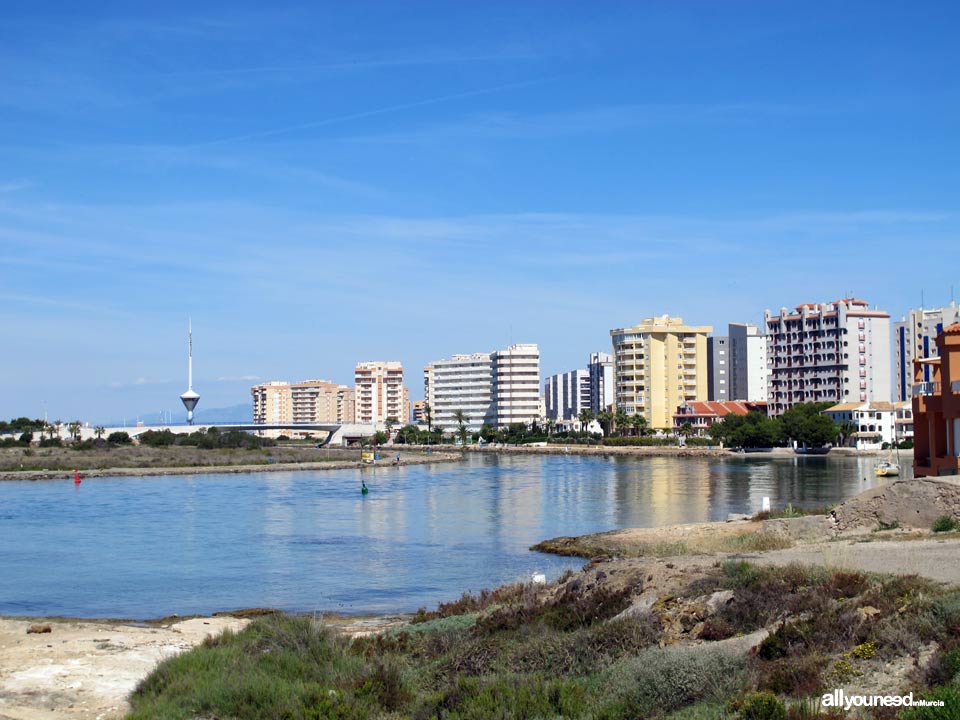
<point>301,541</point>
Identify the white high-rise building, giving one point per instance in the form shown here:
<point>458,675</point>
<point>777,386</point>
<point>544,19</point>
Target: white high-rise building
<point>462,382</point>
<point>493,389</point>
<point>748,363</point>
<point>914,338</point>
<point>600,369</point>
<point>837,352</point>
<point>567,394</point>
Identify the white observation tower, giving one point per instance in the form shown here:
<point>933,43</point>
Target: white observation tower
<point>190,398</point>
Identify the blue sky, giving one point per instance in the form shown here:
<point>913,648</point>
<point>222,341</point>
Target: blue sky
<point>325,183</point>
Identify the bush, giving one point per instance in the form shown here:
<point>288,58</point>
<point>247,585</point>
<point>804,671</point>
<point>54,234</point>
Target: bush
<point>672,678</point>
<point>945,523</point>
<point>119,438</point>
<point>51,442</point>
<point>760,706</point>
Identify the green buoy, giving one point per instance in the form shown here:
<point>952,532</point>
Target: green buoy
<point>363,487</point>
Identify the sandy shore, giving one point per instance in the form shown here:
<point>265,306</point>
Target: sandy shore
<point>85,669</point>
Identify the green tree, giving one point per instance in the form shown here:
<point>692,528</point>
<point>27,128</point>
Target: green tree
<point>621,421</point>
<point>819,430</point>
<point>487,433</point>
<point>585,417</point>
<point>428,416</point>
<point>639,424</point>
<point>99,430</point>
<point>461,417</point>
<point>686,429</point>
<point>605,418</point>
<point>391,423</point>
<point>74,430</point>
<point>792,421</point>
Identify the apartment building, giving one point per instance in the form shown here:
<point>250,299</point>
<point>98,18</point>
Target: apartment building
<point>915,338</point>
<point>748,363</point>
<point>600,369</point>
<point>566,395</point>
<point>718,368</point>
<point>379,392</point>
<point>874,423</point>
<point>827,352</point>
<point>495,389</point>
<point>309,401</point>
<point>271,403</point>
<point>658,366</point>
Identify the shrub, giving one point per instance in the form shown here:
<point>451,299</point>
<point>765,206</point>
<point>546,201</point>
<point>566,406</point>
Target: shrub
<point>799,675</point>
<point>950,695</point>
<point>945,523</point>
<point>673,678</point>
<point>119,438</point>
<point>760,706</point>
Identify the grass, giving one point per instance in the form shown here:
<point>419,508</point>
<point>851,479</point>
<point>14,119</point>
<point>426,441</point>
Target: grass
<point>524,651</point>
<point>137,456</point>
<point>599,546</point>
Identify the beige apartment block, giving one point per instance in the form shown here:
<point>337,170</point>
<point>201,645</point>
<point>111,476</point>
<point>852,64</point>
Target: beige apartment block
<point>659,365</point>
<point>380,393</point>
<point>309,401</point>
<point>272,403</point>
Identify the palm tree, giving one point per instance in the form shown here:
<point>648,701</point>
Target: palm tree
<point>551,426</point>
<point>686,429</point>
<point>99,430</point>
<point>585,417</point>
<point>461,417</point>
<point>390,423</point>
<point>428,416</point>
<point>639,423</point>
<point>621,420</point>
<point>605,418</point>
<point>74,430</point>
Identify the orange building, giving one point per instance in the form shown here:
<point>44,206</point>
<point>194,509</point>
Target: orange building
<point>936,409</point>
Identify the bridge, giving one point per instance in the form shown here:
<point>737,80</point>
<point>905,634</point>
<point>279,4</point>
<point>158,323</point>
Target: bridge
<point>337,433</point>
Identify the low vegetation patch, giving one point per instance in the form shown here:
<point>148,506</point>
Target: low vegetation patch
<point>524,651</point>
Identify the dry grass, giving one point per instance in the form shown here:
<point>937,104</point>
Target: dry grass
<point>137,456</point>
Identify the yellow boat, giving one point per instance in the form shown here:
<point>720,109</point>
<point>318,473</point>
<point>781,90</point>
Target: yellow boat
<point>885,469</point>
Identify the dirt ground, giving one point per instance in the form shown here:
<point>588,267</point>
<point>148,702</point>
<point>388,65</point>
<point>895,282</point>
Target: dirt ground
<point>86,669</point>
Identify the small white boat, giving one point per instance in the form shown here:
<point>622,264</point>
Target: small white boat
<point>886,468</point>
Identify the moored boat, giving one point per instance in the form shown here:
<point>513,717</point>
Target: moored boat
<point>886,468</point>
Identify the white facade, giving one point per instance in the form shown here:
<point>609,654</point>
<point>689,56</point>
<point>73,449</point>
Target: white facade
<point>600,369</point>
<point>831,352</point>
<point>748,363</point>
<point>874,423</point>
<point>495,388</point>
<point>567,394</point>
<point>516,384</point>
<point>463,382</point>
<point>914,338</point>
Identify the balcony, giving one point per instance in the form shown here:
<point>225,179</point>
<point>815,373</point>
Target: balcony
<point>929,388</point>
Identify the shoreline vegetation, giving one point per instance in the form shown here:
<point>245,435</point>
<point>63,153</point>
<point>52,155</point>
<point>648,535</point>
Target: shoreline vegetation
<point>142,461</point>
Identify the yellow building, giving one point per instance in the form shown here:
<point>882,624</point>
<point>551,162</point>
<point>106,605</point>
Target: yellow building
<point>380,394</point>
<point>310,401</point>
<point>659,365</point>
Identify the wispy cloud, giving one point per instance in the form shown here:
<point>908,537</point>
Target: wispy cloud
<point>581,121</point>
<point>15,186</point>
<point>398,107</point>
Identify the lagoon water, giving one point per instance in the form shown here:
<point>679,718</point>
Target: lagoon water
<point>310,542</point>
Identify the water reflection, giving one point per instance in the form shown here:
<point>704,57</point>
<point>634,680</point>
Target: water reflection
<point>146,547</point>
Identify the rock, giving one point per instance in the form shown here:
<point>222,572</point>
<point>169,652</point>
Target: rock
<point>908,503</point>
<point>737,517</point>
<point>38,629</point>
<point>719,599</point>
<point>868,612</point>
<point>638,607</point>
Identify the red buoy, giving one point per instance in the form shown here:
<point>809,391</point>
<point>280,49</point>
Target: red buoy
<point>76,477</point>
